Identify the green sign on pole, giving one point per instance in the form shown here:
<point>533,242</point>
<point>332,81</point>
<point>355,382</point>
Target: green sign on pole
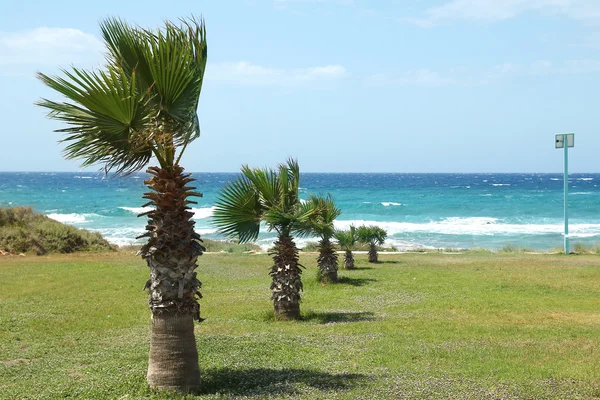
<point>564,141</point>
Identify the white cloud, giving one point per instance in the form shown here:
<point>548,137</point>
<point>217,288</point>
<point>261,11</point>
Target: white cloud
<point>341,2</point>
<point>48,47</point>
<point>470,76</point>
<point>418,77</point>
<point>248,74</point>
<point>497,10</point>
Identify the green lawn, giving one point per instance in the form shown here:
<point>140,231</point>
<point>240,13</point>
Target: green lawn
<point>452,326</point>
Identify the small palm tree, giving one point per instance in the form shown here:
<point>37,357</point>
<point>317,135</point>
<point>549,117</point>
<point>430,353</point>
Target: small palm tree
<point>374,236</point>
<point>143,104</point>
<point>321,224</point>
<point>346,240</point>
<point>269,196</point>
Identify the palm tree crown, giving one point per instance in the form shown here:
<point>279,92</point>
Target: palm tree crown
<point>262,195</point>
<point>142,104</point>
<point>321,223</point>
<point>373,235</point>
<point>346,238</point>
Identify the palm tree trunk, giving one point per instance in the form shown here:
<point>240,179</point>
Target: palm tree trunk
<point>348,260</point>
<point>372,253</point>
<point>327,262</point>
<point>287,285</point>
<point>171,254</point>
<point>173,355</point>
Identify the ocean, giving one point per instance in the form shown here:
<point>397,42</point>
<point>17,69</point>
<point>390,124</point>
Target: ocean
<point>419,211</point>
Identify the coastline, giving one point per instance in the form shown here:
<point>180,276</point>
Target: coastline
<point>419,211</point>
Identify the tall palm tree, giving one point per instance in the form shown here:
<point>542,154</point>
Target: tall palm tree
<point>143,104</point>
<point>321,224</point>
<point>270,196</point>
<point>374,236</point>
<point>346,240</point>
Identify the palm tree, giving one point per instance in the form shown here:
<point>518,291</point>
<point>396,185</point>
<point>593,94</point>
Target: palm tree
<point>269,196</point>
<point>143,104</point>
<point>346,240</point>
<point>321,224</point>
<point>373,235</point>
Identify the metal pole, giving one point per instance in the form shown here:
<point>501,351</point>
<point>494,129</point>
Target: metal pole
<point>566,184</point>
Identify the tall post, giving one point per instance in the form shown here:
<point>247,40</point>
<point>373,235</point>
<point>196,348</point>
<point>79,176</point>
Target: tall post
<point>566,188</point>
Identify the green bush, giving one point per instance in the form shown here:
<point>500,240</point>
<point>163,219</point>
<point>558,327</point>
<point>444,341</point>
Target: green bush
<point>22,230</point>
<point>513,248</point>
<point>216,246</point>
<point>311,247</point>
<point>580,248</point>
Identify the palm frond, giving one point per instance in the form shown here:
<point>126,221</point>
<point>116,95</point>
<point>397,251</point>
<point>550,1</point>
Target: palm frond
<point>176,60</point>
<point>346,238</point>
<point>267,184</point>
<point>238,211</point>
<point>104,119</point>
<point>123,43</point>
<point>319,214</point>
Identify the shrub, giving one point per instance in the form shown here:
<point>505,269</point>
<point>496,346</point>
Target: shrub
<point>229,246</point>
<point>22,230</point>
<point>513,248</point>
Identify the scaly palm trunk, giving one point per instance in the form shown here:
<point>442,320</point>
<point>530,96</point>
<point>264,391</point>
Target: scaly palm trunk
<point>348,260</point>
<point>287,285</point>
<point>327,262</point>
<point>372,253</point>
<point>171,254</point>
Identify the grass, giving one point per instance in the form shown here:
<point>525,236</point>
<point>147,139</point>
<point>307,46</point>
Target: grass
<point>212,246</point>
<point>468,326</point>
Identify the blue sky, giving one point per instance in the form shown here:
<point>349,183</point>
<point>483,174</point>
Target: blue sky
<point>342,85</point>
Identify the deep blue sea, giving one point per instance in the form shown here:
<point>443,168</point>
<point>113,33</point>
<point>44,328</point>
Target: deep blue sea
<point>418,210</point>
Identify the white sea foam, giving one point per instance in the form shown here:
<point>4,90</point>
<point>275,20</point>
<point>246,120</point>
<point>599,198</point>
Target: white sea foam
<point>72,218</point>
<point>554,179</point>
<point>199,213</point>
<point>403,245</point>
<point>585,179</point>
<point>204,212</point>
<point>205,231</point>
<point>124,236</point>
<point>83,177</point>
<point>390,203</point>
<point>581,235</point>
<point>476,226</point>
<point>136,210</point>
<point>500,184</point>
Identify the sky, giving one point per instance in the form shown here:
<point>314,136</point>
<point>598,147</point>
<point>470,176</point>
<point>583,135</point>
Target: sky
<point>341,85</point>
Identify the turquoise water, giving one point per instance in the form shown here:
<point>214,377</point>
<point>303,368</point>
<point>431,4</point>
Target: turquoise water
<point>417,210</point>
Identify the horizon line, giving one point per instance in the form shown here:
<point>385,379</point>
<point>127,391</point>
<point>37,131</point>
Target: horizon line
<point>306,172</point>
